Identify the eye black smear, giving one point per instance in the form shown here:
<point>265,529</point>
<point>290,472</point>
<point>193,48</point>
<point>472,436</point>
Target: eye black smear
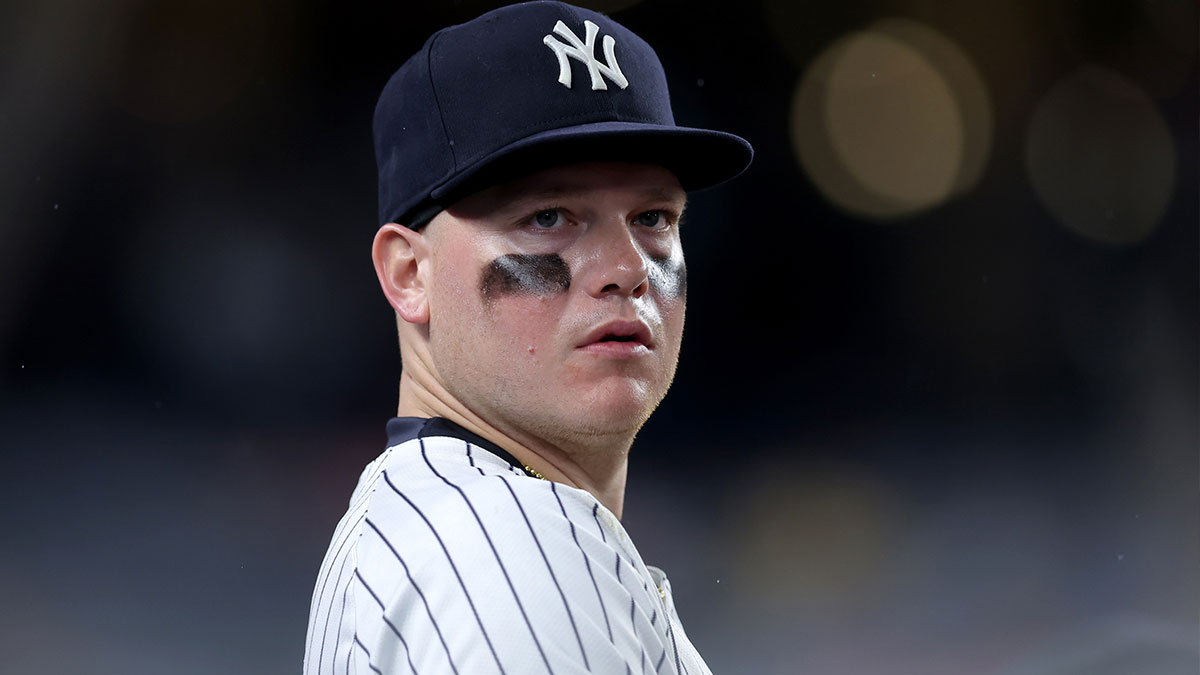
<point>517,273</point>
<point>669,276</point>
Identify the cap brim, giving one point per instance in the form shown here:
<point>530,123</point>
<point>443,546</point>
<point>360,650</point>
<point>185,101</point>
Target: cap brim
<point>699,158</point>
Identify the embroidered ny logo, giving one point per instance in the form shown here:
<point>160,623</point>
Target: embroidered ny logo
<point>584,51</point>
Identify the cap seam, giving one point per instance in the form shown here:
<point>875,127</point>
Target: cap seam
<point>436,100</point>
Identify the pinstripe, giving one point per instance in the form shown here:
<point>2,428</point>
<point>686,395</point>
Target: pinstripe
<point>325,631</point>
<point>377,469</point>
<point>596,517</point>
<point>495,553</point>
<point>387,479</point>
<point>383,615</point>
<point>341,616</point>
<point>633,624</point>
<point>321,591</point>
<point>586,562</point>
<point>447,462</point>
<point>617,552</point>
<point>511,469</point>
<point>312,609</point>
<point>550,569</point>
<point>437,629</point>
<point>646,589</point>
<point>616,545</point>
<point>471,460</point>
<point>344,530</point>
<point>368,653</point>
<point>674,647</point>
<point>671,632</point>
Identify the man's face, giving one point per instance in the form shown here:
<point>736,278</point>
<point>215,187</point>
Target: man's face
<point>557,301</point>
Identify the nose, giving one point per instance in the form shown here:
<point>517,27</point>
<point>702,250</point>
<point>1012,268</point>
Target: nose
<point>616,265</point>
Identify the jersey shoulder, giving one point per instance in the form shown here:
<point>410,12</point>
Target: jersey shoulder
<point>519,568</point>
<point>443,491</point>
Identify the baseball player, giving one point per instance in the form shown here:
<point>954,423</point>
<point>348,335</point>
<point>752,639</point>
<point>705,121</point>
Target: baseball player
<point>531,185</point>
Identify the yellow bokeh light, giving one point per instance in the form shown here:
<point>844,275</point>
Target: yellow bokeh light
<point>891,121</point>
<point>1100,157</point>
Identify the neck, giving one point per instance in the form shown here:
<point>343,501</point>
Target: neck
<point>595,463</point>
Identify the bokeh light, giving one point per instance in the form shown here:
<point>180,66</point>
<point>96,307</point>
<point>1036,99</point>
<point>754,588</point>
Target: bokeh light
<point>891,121</point>
<point>966,84</point>
<point>1100,157</point>
<point>829,525</point>
<point>964,444</point>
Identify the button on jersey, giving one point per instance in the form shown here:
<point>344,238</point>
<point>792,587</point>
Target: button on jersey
<point>451,560</point>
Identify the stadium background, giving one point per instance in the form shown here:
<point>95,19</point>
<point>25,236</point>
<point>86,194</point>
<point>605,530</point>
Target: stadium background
<point>937,404</point>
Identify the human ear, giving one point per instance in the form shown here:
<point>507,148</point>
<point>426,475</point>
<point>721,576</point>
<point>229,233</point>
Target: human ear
<point>401,259</point>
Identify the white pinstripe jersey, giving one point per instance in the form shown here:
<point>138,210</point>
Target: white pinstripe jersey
<point>452,560</point>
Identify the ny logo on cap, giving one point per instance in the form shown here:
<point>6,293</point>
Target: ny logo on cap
<point>584,51</point>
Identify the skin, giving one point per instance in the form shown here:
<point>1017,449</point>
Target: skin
<point>498,300</point>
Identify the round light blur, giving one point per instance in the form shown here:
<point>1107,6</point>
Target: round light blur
<point>891,121</point>
<point>813,538</point>
<point>1100,157</point>
<point>966,84</point>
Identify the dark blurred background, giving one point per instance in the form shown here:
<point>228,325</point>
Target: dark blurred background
<point>937,405</point>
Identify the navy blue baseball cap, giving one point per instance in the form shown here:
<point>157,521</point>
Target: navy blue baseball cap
<point>527,87</point>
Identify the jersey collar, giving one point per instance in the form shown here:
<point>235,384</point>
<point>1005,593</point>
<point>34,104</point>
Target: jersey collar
<point>401,429</point>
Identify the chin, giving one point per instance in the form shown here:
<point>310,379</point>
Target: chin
<point>616,407</point>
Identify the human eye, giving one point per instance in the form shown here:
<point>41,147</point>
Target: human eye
<point>655,219</point>
<point>547,219</point>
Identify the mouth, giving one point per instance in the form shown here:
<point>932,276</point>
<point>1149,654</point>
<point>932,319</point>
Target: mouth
<point>619,335</point>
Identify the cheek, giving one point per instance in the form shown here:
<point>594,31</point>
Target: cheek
<point>520,274</point>
<point>668,277</point>
<point>517,292</point>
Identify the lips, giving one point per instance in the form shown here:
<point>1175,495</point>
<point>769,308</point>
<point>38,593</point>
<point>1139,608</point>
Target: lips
<point>630,333</point>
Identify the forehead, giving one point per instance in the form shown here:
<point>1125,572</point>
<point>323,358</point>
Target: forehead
<point>621,182</point>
